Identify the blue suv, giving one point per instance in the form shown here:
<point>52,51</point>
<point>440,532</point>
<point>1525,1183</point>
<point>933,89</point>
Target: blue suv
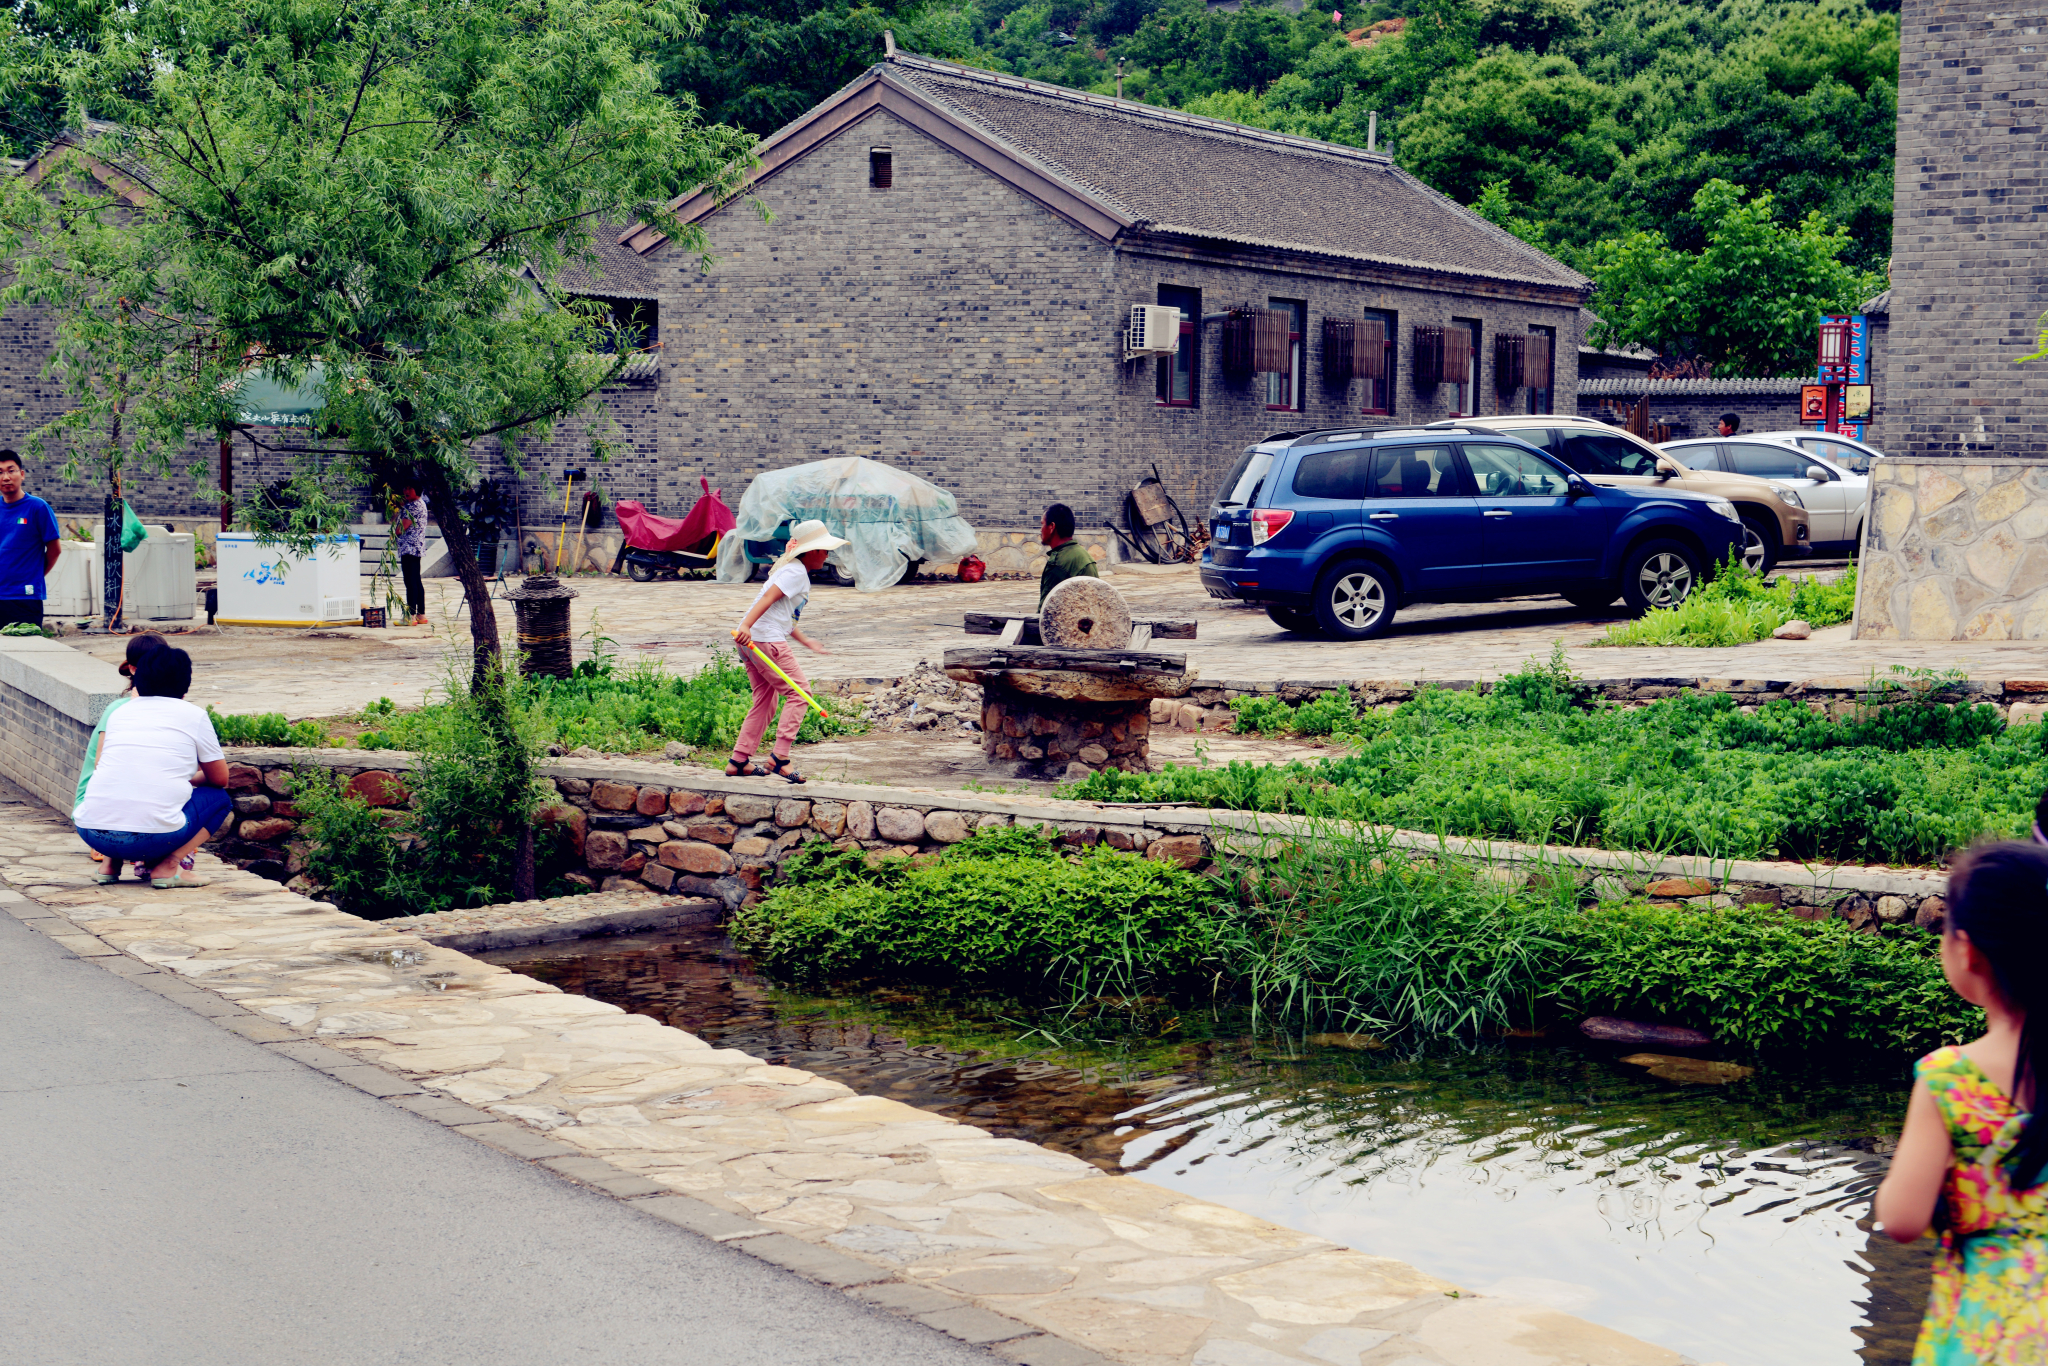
<point>1333,530</point>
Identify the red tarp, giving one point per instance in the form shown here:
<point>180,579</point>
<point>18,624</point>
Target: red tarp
<point>709,519</point>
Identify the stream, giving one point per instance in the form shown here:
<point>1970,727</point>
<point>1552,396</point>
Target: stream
<point>1717,1208</point>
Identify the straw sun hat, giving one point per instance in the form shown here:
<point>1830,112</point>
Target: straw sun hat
<point>805,537</point>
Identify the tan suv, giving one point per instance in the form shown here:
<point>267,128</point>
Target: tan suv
<point>1773,518</point>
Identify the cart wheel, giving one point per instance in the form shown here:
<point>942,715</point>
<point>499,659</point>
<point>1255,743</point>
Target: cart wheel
<point>639,572</point>
<point>911,569</point>
<point>757,573</point>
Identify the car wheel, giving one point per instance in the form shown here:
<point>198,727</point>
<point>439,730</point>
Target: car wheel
<point>1354,601</point>
<point>1659,574</point>
<point>1592,599</point>
<point>1301,623</point>
<point>1759,544</point>
<point>639,572</point>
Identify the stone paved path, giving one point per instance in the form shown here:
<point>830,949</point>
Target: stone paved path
<point>330,673</point>
<point>994,1241</point>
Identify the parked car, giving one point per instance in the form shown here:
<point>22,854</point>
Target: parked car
<point>1773,516</point>
<point>1844,452</point>
<point>1332,531</point>
<point>1835,498</point>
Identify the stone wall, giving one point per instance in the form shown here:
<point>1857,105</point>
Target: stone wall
<point>690,831</point>
<point>1953,550</point>
<point>1970,229</point>
<point>51,697</point>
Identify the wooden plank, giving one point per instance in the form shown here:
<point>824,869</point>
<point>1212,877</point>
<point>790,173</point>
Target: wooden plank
<point>1141,635</point>
<point>1070,661</point>
<point>1013,631</point>
<point>992,623</point>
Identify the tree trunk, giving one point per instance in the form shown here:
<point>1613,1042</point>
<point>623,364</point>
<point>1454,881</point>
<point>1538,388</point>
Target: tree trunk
<point>476,589</point>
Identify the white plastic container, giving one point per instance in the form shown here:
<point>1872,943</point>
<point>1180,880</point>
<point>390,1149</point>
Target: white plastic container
<point>269,586</point>
<point>72,589</point>
<point>159,578</point>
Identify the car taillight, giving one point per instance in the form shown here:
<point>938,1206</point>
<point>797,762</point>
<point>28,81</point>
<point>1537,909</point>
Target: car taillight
<point>1268,523</point>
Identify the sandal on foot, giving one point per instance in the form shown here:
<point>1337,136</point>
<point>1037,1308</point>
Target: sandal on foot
<point>165,884</point>
<point>106,878</point>
<point>737,768</point>
<point>780,768</point>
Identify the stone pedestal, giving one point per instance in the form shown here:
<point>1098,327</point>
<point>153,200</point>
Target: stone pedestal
<point>1048,733</point>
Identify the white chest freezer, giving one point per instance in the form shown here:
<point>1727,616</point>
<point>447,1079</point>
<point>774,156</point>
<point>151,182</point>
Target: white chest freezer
<point>72,589</point>
<point>269,586</point>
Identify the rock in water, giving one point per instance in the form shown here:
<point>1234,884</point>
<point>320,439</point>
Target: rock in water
<point>1689,1071</point>
<point>1085,614</point>
<point>1608,1029</point>
<point>1793,630</point>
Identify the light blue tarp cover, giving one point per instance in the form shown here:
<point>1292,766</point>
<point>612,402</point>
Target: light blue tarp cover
<point>888,518</point>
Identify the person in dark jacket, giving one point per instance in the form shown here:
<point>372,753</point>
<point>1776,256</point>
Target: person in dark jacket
<point>1065,558</point>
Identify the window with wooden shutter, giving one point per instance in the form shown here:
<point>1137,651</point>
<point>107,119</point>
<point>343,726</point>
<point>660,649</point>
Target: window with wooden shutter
<point>1537,369</point>
<point>1271,340</point>
<point>1509,356</point>
<point>1340,350</point>
<point>1372,349</point>
<point>1429,355</point>
<point>1239,340</point>
<point>1457,363</point>
<point>881,168</point>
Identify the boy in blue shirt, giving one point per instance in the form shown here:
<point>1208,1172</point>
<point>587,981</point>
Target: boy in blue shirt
<point>28,546</point>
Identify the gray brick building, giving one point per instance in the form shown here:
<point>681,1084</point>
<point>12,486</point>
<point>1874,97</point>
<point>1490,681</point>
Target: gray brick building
<point>1970,233</point>
<point>947,271</point>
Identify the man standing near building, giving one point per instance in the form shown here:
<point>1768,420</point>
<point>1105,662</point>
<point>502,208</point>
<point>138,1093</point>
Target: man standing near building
<point>1730,424</point>
<point>1065,558</point>
<point>28,546</point>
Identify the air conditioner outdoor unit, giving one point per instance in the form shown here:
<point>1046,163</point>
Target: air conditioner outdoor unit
<point>1154,331</point>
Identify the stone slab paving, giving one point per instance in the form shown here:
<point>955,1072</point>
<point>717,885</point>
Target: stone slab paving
<point>1000,1242</point>
<point>336,672</point>
<point>517,924</point>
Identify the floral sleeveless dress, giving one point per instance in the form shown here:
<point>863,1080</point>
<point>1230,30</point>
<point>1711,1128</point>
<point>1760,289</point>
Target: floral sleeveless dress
<point>1990,1300</point>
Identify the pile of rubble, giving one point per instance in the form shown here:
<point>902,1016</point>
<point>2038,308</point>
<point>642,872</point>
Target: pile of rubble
<point>925,700</point>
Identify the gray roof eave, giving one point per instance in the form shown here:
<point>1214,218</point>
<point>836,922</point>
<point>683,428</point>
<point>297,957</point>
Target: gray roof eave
<point>1574,283</point>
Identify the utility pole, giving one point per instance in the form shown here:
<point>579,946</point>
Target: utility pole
<point>1119,78</point>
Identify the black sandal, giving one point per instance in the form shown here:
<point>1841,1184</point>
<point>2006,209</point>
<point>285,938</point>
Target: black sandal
<point>780,768</point>
<point>741,768</point>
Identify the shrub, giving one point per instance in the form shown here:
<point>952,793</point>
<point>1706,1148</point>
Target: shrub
<point>1000,905</point>
<point>1738,606</point>
<point>268,729</point>
<point>1902,777</point>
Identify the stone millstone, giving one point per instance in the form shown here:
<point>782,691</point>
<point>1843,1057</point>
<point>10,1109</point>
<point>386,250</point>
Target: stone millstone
<point>1085,614</point>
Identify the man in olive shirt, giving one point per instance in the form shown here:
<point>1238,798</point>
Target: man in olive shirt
<point>1064,557</point>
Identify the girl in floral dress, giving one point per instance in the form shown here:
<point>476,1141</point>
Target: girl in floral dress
<point>1970,1161</point>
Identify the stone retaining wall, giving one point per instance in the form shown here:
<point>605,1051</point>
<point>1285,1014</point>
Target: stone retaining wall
<point>51,697</point>
<point>1207,704</point>
<point>1953,551</point>
<point>691,832</point>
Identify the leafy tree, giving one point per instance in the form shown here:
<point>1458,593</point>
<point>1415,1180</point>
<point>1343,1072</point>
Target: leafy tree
<point>374,196</point>
<point>1748,302</point>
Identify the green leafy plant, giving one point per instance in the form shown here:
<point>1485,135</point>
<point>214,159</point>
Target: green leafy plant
<point>1738,606</point>
<point>267,730</point>
<point>22,628</point>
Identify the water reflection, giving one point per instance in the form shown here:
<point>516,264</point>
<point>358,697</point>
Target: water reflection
<point>1722,1218</point>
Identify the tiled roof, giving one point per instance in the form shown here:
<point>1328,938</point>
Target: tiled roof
<point>1881,304</point>
<point>1180,174</point>
<point>1685,388</point>
<point>627,274</point>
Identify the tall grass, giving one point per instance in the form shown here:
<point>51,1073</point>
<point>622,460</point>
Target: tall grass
<point>1738,606</point>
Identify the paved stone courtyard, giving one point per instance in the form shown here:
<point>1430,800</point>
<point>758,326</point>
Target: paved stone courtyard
<point>335,672</point>
<point>999,1242</point>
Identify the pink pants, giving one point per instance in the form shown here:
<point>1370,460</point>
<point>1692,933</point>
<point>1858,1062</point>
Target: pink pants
<point>766,688</point>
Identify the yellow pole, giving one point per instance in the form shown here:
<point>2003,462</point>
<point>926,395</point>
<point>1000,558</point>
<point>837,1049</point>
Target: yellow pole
<point>562,526</point>
<point>783,676</point>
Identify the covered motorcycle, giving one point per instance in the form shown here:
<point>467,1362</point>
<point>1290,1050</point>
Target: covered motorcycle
<point>655,545</point>
<point>891,521</point>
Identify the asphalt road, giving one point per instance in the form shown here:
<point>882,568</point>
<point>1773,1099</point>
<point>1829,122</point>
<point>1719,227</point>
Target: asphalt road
<point>173,1193</point>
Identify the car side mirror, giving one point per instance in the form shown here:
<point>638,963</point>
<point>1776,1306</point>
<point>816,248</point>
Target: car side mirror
<point>1818,474</point>
<point>1666,470</point>
<point>1578,489</point>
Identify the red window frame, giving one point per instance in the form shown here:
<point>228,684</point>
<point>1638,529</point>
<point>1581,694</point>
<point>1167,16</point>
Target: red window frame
<point>1297,353</point>
<point>1189,302</point>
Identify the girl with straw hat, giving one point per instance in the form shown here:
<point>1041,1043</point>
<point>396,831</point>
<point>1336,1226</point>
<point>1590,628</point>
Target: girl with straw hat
<point>769,626</point>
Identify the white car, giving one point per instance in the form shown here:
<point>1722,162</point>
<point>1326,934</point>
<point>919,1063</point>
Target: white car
<point>1843,452</point>
<point>1835,497</point>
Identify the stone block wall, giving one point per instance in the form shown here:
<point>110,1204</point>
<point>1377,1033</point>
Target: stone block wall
<point>1955,549</point>
<point>1970,234</point>
<point>51,697</point>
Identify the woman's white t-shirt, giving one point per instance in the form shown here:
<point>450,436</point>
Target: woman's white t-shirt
<point>778,621</point>
<point>151,748</point>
